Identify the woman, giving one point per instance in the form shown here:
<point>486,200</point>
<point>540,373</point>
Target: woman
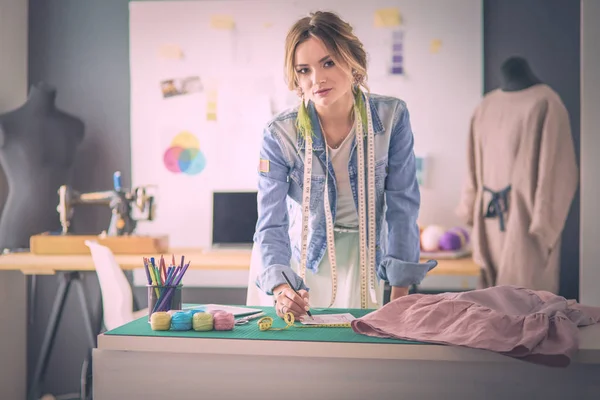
<point>335,236</point>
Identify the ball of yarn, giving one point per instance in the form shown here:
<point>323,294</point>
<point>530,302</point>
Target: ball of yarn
<point>160,321</point>
<point>181,321</point>
<point>454,239</point>
<point>450,241</point>
<point>194,311</point>
<point>202,322</point>
<point>223,321</point>
<point>430,238</point>
<point>462,233</point>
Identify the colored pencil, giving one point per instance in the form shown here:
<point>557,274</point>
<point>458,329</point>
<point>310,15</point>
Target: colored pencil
<point>175,280</point>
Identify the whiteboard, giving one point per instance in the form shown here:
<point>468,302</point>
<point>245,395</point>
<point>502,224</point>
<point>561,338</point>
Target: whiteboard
<point>227,58</point>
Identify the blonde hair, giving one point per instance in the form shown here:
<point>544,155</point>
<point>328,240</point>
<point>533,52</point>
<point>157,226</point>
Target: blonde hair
<point>337,36</point>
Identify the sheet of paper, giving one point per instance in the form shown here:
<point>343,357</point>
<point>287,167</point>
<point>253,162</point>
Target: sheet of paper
<point>211,105</point>
<point>184,155</point>
<point>397,53</point>
<point>222,22</point>
<point>180,86</point>
<point>170,51</point>
<point>435,46</point>
<point>328,319</point>
<point>236,311</point>
<point>387,17</point>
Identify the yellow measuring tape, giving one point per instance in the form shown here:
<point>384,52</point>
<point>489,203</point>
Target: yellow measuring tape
<point>266,324</point>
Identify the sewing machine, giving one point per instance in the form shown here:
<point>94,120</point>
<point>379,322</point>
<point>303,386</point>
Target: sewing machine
<point>128,207</point>
<point>123,204</point>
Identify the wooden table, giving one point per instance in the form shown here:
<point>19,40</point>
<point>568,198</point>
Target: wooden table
<point>34,264</point>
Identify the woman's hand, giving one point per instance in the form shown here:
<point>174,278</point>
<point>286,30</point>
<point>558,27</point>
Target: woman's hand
<point>286,300</point>
<point>398,292</point>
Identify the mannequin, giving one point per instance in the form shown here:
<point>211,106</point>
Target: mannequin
<point>37,148</point>
<point>521,180</point>
<point>517,75</point>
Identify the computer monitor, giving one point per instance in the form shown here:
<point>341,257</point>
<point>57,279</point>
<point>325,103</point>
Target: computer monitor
<point>234,219</point>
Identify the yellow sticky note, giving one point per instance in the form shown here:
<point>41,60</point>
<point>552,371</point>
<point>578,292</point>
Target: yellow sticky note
<point>435,45</point>
<point>267,25</point>
<point>171,51</point>
<point>222,22</point>
<point>211,106</point>
<point>386,17</point>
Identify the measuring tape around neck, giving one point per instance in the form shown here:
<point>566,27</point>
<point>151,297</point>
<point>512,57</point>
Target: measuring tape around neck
<point>367,261</point>
<point>367,253</point>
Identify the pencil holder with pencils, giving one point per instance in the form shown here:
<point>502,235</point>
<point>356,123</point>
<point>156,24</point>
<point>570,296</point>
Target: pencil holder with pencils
<point>164,284</point>
<point>163,298</point>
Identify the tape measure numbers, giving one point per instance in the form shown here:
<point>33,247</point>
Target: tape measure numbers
<point>266,324</point>
<point>371,200</point>
<point>367,252</point>
<point>367,264</point>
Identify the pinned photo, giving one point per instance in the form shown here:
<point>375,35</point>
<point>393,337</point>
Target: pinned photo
<point>180,86</point>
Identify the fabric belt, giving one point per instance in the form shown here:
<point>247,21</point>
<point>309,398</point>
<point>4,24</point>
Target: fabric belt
<point>498,205</point>
<point>345,229</point>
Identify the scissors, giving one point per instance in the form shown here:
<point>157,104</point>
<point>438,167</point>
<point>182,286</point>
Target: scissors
<point>245,320</point>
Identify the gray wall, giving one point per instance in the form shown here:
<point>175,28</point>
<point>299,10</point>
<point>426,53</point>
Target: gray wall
<point>590,146</point>
<point>547,34</point>
<point>82,48</point>
<point>13,64</point>
<point>13,47</point>
<point>13,92</point>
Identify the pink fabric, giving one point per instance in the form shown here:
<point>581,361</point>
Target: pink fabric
<point>535,326</point>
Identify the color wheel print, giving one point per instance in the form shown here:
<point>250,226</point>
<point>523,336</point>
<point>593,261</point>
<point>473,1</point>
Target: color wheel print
<point>184,155</point>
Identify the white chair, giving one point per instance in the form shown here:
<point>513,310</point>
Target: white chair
<point>117,296</point>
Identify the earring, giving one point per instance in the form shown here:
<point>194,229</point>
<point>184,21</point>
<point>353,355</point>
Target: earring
<point>299,92</point>
<point>358,78</point>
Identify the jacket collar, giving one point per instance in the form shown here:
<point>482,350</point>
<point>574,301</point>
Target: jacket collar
<point>318,140</point>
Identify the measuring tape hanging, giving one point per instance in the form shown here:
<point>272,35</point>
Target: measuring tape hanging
<point>367,251</point>
<point>366,221</point>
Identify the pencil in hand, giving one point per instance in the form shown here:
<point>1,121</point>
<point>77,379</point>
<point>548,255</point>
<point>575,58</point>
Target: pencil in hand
<point>295,291</point>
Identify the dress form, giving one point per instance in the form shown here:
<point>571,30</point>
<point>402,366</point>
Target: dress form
<point>517,75</point>
<point>38,143</point>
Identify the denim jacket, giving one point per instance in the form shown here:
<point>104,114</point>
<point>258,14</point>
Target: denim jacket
<point>280,183</point>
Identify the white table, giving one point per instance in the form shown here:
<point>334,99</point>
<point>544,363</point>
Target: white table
<point>193,368</point>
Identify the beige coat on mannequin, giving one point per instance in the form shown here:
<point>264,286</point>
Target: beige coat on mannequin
<point>523,140</point>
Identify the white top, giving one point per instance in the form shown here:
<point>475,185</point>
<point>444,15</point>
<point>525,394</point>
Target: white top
<point>346,214</point>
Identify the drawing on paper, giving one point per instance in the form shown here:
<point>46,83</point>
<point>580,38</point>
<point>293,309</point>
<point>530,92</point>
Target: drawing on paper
<point>327,319</point>
<point>397,53</point>
<point>170,51</point>
<point>184,156</point>
<point>211,106</point>
<point>223,21</point>
<point>387,17</point>
<point>179,86</point>
<point>435,46</point>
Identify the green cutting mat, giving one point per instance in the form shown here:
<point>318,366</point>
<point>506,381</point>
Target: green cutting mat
<point>250,331</point>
